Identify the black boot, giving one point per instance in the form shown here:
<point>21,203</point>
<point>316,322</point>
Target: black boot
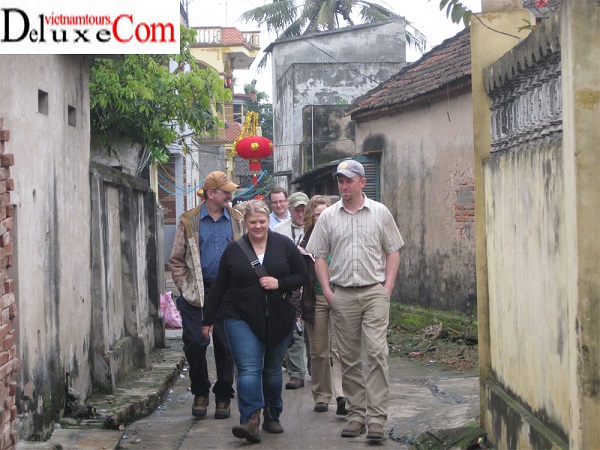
<point>271,425</point>
<point>250,429</point>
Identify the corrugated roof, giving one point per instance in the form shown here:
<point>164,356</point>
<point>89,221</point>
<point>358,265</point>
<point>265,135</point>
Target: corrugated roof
<point>446,64</point>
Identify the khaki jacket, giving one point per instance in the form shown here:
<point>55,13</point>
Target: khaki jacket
<point>186,268</point>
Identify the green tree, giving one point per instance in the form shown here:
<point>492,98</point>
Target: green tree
<point>288,18</point>
<point>139,99</point>
<point>262,106</point>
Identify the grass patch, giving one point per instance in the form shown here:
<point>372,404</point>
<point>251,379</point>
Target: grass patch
<point>414,319</point>
<point>433,336</point>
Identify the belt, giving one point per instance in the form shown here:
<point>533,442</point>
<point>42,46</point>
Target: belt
<point>359,287</point>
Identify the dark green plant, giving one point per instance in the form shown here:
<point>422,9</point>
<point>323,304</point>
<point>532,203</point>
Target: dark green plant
<point>139,99</point>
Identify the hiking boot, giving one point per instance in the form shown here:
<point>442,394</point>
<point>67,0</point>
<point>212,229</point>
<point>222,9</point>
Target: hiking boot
<point>222,410</point>
<point>341,407</point>
<point>294,383</point>
<point>375,433</point>
<point>271,425</point>
<point>200,406</point>
<point>353,429</point>
<point>249,430</point>
<point>321,407</point>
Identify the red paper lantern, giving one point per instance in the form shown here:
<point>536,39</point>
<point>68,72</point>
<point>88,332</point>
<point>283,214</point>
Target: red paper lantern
<point>254,148</point>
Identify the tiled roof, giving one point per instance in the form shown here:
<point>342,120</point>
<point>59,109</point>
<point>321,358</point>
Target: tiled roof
<point>232,36</point>
<point>445,65</point>
<point>232,131</point>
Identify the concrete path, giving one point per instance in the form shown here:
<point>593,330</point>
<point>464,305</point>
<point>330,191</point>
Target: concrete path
<point>422,399</point>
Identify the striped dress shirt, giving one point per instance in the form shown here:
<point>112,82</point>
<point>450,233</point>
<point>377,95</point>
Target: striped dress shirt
<point>358,243</point>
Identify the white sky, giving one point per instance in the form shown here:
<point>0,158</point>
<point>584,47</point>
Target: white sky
<point>425,15</point>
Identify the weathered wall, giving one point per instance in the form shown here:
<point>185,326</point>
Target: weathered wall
<point>126,269</point>
<point>327,68</point>
<point>50,140</point>
<point>64,326</point>
<point>328,135</point>
<point>376,42</point>
<point>539,317</point>
<point>427,183</point>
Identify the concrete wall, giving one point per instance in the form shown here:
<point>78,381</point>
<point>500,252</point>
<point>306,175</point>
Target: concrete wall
<point>86,274</point>
<point>328,135</point>
<point>327,68</point>
<point>126,269</point>
<point>377,42</point>
<point>427,183</point>
<point>538,249</point>
<point>52,228</point>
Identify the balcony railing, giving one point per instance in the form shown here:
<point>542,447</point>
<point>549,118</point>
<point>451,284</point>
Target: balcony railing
<point>214,35</point>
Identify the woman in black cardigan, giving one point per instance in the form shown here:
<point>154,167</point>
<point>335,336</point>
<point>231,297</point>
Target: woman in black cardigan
<point>258,317</point>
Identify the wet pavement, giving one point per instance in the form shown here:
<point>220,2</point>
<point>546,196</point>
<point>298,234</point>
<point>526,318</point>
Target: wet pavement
<point>421,399</point>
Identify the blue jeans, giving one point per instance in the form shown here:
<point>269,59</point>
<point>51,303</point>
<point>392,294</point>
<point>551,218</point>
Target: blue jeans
<point>259,370</point>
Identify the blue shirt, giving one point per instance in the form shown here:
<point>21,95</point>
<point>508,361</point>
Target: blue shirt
<point>214,237</point>
<point>274,220</point>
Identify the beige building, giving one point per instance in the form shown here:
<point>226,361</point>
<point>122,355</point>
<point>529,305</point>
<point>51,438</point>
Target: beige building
<point>419,124</point>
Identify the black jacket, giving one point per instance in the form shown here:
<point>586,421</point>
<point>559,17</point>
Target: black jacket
<point>236,292</point>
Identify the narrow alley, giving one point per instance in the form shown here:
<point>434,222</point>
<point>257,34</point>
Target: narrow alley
<point>422,399</point>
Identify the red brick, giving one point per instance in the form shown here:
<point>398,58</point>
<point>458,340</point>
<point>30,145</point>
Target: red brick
<point>1,152</point>
<point>10,184</point>
<point>6,328</point>
<point>13,413</point>
<point>12,311</point>
<point>10,211</point>
<point>9,402</point>
<point>5,239</point>
<point>7,160</point>
<point>5,199</point>
<point>8,223</point>
<point>8,341</point>
<point>9,285</point>
<point>7,299</point>
<point>12,352</point>
<point>5,370</point>
<point>4,357</point>
<point>4,135</point>
<point>9,262</point>
<point>5,415</point>
<point>16,364</point>
<point>12,386</point>
<point>4,316</point>
<point>8,249</point>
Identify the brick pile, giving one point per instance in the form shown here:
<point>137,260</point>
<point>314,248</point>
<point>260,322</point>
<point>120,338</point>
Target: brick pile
<point>9,364</point>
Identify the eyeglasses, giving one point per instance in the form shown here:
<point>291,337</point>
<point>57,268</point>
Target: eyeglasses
<point>228,194</point>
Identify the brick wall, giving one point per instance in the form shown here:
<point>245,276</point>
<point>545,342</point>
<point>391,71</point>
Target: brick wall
<point>9,364</point>
<point>464,209</point>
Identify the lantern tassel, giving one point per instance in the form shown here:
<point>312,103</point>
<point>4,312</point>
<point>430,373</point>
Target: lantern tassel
<point>254,180</point>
